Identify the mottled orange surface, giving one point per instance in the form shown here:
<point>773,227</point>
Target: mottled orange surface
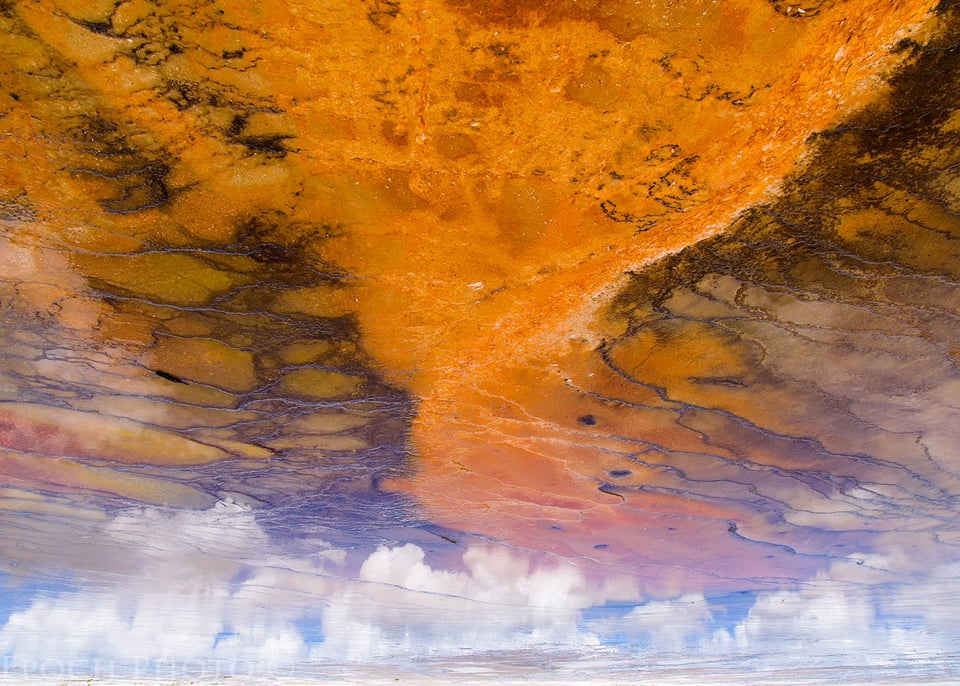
<point>499,346</point>
<point>481,176</point>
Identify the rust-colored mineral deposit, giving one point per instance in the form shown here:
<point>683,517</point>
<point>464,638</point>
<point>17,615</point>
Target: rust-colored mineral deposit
<point>276,234</point>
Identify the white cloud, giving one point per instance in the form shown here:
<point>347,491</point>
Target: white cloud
<point>661,626</point>
<point>210,586</point>
<point>836,623</point>
<point>491,575</point>
<point>500,600</point>
<point>172,598</point>
<point>209,589</point>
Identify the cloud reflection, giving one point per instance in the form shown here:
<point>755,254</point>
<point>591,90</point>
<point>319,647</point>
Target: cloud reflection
<point>209,590</point>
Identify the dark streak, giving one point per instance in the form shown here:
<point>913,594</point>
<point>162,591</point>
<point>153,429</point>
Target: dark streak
<point>719,381</point>
<point>102,28</point>
<point>446,538</point>
<point>609,208</point>
<point>605,488</point>
<point>272,144</point>
<point>168,376</point>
